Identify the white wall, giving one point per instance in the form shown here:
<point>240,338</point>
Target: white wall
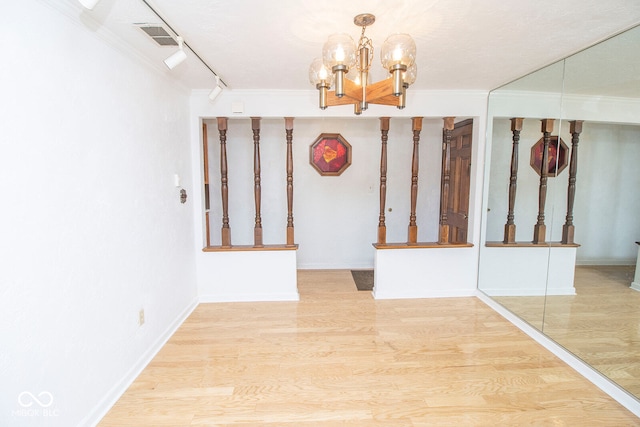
<point>335,217</point>
<point>607,204</point>
<point>92,229</point>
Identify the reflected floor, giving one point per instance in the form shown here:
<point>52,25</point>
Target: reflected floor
<point>600,324</point>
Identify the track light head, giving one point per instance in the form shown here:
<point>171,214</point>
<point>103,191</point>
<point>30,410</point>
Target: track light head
<point>177,57</point>
<point>216,90</point>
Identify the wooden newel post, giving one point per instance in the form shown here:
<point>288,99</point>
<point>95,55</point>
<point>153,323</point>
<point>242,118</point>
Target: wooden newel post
<point>540,229</point>
<point>510,226</point>
<point>257,189</point>
<point>382,228</point>
<point>224,188</point>
<point>416,126</point>
<point>288,126</point>
<point>445,179</point>
<point>575,127</point>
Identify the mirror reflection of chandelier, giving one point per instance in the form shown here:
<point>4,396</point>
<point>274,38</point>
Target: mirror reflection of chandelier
<point>340,54</point>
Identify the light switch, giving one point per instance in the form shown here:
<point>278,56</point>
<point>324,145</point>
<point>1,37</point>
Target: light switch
<point>176,180</point>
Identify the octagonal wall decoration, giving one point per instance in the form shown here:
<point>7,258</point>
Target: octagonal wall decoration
<point>557,159</point>
<point>330,154</point>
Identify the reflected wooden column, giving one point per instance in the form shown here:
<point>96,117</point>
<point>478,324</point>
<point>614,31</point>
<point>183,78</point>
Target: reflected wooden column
<point>207,207</point>
<point>288,126</point>
<point>575,127</point>
<point>416,126</point>
<point>224,188</point>
<point>257,189</point>
<point>445,179</point>
<point>510,226</point>
<point>382,227</point>
<point>540,229</point>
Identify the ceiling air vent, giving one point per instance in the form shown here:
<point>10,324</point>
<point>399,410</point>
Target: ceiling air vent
<point>159,34</point>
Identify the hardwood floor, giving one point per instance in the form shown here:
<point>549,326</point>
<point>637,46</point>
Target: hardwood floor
<point>339,357</point>
<point>600,324</point>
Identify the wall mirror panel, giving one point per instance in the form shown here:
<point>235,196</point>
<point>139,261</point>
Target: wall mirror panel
<point>512,269</point>
<point>582,295</point>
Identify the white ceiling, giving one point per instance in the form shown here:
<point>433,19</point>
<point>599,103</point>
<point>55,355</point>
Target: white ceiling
<point>462,44</point>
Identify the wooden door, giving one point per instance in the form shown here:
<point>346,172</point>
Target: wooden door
<point>460,167</point>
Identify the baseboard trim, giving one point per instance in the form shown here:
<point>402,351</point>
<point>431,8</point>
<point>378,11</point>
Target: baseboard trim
<point>605,262</point>
<point>312,266</point>
<point>274,297</point>
<point>619,394</point>
<point>445,293</point>
<point>532,292</point>
<point>110,399</point>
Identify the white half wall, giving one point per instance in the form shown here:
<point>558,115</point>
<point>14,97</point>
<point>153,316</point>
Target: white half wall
<point>636,278</point>
<point>425,272</point>
<point>247,276</point>
<point>522,271</point>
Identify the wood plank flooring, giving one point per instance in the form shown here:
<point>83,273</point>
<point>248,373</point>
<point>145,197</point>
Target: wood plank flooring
<point>340,358</point>
<point>600,324</point>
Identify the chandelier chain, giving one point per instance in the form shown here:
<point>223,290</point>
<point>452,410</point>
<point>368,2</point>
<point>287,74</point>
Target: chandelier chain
<point>364,42</point>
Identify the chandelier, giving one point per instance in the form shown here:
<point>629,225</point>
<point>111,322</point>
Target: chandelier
<point>340,55</point>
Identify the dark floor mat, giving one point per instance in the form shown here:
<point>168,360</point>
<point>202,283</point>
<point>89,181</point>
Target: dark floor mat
<point>363,279</point>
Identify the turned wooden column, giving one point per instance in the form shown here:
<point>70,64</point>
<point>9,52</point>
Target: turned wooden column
<point>224,188</point>
<point>510,226</point>
<point>205,159</point>
<point>575,127</point>
<point>288,126</point>
<point>540,229</point>
<point>445,179</point>
<point>416,126</point>
<point>382,227</point>
<point>257,189</point>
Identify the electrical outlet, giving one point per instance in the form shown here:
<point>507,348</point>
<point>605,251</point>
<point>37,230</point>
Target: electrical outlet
<point>141,317</point>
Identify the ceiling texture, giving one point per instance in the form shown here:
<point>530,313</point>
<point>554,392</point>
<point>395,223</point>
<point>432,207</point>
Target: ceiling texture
<point>269,45</point>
